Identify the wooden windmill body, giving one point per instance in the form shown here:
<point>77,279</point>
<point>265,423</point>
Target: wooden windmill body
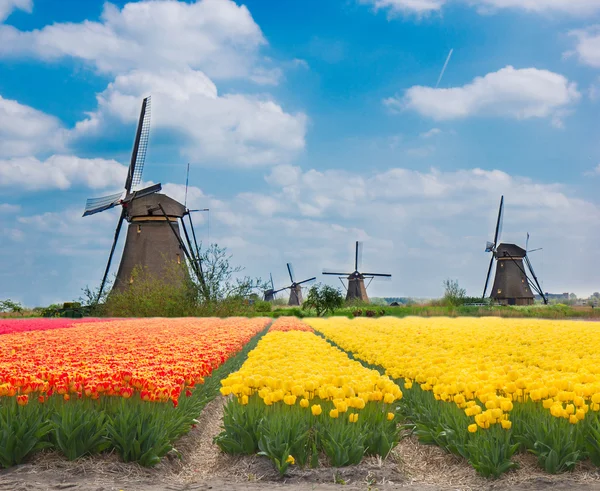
<point>356,289</point>
<point>511,286</point>
<point>153,241</point>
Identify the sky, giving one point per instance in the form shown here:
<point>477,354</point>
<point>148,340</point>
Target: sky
<point>307,126</point>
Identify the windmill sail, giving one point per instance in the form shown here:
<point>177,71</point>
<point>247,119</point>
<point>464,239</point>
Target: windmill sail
<point>140,145</point>
<point>96,205</point>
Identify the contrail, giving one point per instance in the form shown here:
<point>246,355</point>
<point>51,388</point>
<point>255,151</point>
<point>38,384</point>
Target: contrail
<point>444,69</point>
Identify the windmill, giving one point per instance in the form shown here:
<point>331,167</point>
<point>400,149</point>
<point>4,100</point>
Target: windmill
<point>295,287</point>
<point>153,237</point>
<point>269,294</point>
<point>511,285</point>
<point>356,281</point>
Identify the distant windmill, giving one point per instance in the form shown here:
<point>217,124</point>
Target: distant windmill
<point>153,237</point>
<point>356,280</point>
<point>511,286</point>
<point>269,294</point>
<point>295,287</point>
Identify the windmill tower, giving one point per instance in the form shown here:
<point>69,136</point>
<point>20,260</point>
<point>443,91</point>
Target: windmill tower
<point>511,285</point>
<point>295,288</point>
<point>356,289</point>
<point>153,237</point>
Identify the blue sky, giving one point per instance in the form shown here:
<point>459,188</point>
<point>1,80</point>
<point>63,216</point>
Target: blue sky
<point>308,125</point>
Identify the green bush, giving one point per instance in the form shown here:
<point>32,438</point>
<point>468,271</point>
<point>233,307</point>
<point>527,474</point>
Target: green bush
<point>324,299</point>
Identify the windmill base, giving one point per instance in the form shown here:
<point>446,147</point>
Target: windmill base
<point>152,248</point>
<point>357,290</point>
<point>514,301</point>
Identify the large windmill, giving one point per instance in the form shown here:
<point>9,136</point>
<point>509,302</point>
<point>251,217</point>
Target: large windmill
<point>511,285</point>
<point>295,288</point>
<point>356,280</point>
<point>153,238</point>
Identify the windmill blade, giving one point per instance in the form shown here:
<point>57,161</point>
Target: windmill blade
<point>112,251</point>
<point>291,271</point>
<point>272,285</point>
<point>140,145</point>
<point>281,289</point>
<point>487,278</point>
<point>535,250</point>
<point>307,281</point>
<point>386,275</point>
<point>336,274</point>
<point>499,222</point>
<point>96,205</point>
<point>527,243</point>
<point>358,256</point>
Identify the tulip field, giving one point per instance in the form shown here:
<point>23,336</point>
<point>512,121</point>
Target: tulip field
<point>322,391</point>
<point>129,385</point>
<point>297,396</point>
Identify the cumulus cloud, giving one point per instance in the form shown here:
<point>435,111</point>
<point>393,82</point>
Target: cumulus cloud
<point>578,7</point>
<point>588,45</point>
<point>510,92</point>
<point>237,129</point>
<point>60,172</point>
<point>25,130</point>
<point>420,7</point>
<point>8,208</point>
<point>7,6</point>
<point>216,36</point>
<point>172,50</point>
<point>430,133</point>
<point>411,221</point>
<point>594,172</point>
<point>395,7</point>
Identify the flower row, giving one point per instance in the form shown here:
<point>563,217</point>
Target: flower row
<point>155,358</point>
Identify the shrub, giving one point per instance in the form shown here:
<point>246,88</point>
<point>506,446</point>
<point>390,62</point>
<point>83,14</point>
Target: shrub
<point>324,299</point>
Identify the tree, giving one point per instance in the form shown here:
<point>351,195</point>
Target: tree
<point>219,279</point>
<point>9,306</point>
<point>453,293</point>
<point>323,298</point>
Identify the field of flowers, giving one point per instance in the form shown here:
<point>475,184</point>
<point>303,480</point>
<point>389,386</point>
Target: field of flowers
<point>131,385</point>
<point>8,326</point>
<point>297,396</point>
<point>485,388</point>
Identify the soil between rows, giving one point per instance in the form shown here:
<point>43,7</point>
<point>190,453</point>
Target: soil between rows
<point>412,466</point>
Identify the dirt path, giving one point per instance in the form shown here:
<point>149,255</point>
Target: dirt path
<point>412,466</point>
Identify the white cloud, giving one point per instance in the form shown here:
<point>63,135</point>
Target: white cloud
<point>516,93</point>
<point>217,36</point>
<point>410,221</point>
<point>235,129</point>
<point>588,45</point>
<point>25,130</point>
<point>8,208</point>
<point>7,6</point>
<point>396,7</point>
<point>594,172</point>
<point>420,7</point>
<point>430,133</point>
<point>573,7</point>
<point>60,172</point>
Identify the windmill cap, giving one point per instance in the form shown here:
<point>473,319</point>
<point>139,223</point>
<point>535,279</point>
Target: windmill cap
<point>147,205</point>
<point>510,250</point>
